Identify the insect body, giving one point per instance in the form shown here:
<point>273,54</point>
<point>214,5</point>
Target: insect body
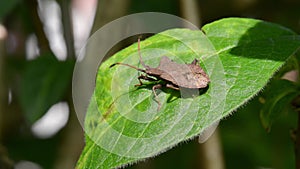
<point>175,75</point>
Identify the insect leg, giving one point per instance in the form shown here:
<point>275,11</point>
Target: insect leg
<point>195,62</point>
<point>157,86</point>
<point>144,78</point>
<point>139,78</point>
<point>172,86</point>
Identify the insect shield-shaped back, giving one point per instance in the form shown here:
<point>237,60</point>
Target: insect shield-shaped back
<point>176,76</point>
<point>190,76</point>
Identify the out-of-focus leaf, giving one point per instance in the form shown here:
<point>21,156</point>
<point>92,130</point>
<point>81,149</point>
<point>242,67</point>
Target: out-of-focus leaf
<point>278,97</point>
<point>44,82</point>
<point>291,64</point>
<point>247,145</point>
<point>19,148</point>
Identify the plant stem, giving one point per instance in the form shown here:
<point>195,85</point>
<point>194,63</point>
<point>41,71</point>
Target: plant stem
<point>72,141</point>
<point>72,136</point>
<point>297,144</point>
<point>211,152</point>
<point>107,11</point>
<point>5,162</point>
<point>296,106</point>
<point>191,11</point>
<point>3,91</point>
<point>67,27</point>
<point>43,42</point>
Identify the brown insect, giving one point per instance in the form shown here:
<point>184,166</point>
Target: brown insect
<point>175,75</point>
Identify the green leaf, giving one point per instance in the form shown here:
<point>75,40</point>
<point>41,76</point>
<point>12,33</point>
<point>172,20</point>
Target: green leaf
<point>44,83</point>
<point>123,125</point>
<point>290,64</point>
<point>278,97</point>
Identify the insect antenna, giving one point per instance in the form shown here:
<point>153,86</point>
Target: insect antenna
<point>124,64</point>
<point>139,50</point>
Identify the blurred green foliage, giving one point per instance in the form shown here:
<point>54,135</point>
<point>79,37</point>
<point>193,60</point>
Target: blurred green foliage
<point>51,80</point>
<point>6,7</point>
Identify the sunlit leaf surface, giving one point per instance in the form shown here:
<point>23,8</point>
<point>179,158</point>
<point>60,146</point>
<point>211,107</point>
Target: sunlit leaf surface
<point>122,123</point>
